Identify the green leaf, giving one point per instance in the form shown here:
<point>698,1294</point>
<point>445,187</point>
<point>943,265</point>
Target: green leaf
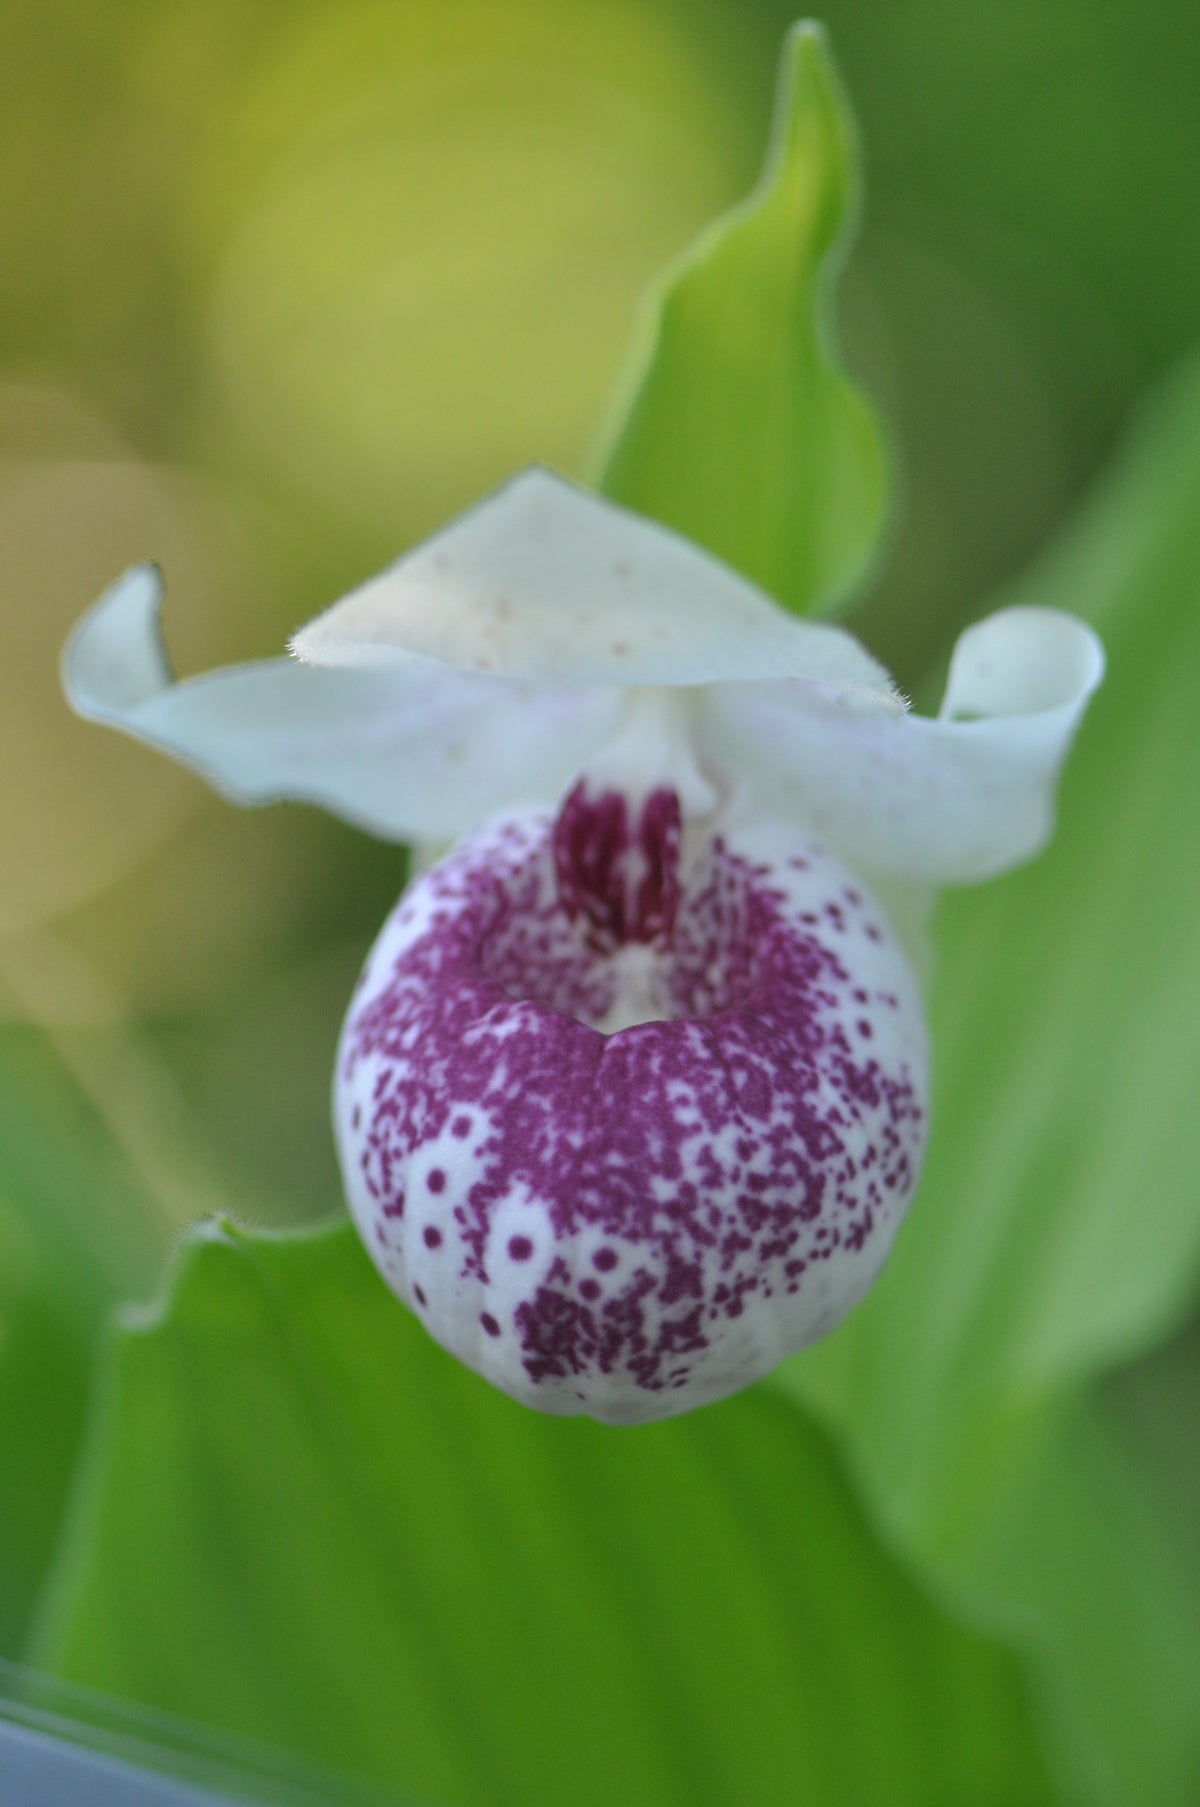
<point>1056,1232</point>
<point>1154,1404</point>
<point>1080,1547</point>
<point>740,430</point>
<point>76,1231</point>
<point>304,1522</point>
<point>60,1743</point>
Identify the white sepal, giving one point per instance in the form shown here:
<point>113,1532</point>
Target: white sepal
<point>417,749</point>
<point>545,582</point>
<point>947,801</point>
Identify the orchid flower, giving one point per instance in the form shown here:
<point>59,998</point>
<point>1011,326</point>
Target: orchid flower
<point>634,1092</point>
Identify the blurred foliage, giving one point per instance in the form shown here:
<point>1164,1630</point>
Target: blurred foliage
<point>1077,1547</point>
<point>340,267</point>
<point>286,284</point>
<point>63,1744</point>
<point>176,176</point>
<point>78,1228</point>
<point>1058,1229</point>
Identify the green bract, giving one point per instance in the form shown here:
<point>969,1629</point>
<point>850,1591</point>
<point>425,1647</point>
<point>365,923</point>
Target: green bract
<point>739,428</point>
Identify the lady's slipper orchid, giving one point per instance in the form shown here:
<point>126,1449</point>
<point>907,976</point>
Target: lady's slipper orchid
<point>633,1095</point>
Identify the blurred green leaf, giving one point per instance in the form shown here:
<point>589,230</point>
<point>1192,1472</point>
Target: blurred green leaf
<point>76,1231</point>
<point>1153,1402</point>
<point>304,1522</point>
<point>61,1745</point>
<point>1079,1548</point>
<point>740,431</point>
<point>1056,1232</point>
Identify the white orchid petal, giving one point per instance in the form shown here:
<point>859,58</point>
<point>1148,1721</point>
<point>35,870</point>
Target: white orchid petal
<point>947,801</point>
<point>543,581</point>
<point>414,750</point>
<point>1028,662</point>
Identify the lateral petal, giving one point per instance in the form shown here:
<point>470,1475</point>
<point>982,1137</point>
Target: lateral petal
<point>949,801</point>
<point>415,749</point>
<point>543,581</point>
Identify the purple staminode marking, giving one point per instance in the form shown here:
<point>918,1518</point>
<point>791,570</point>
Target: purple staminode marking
<point>617,867</point>
<point>649,1218</point>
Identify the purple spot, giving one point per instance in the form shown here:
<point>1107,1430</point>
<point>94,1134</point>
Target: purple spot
<point>604,1260</point>
<point>489,1323</point>
<point>520,1248</point>
<point>461,1127</point>
<point>590,1289</point>
<point>437,1180</point>
<point>419,1296</point>
<point>432,1235</point>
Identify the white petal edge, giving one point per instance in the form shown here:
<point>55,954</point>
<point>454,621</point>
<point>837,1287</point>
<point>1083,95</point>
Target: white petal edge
<point>417,750</point>
<point>949,801</point>
<point>543,581</point>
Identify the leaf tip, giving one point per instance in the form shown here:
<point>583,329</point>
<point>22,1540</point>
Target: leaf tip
<point>807,62</point>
